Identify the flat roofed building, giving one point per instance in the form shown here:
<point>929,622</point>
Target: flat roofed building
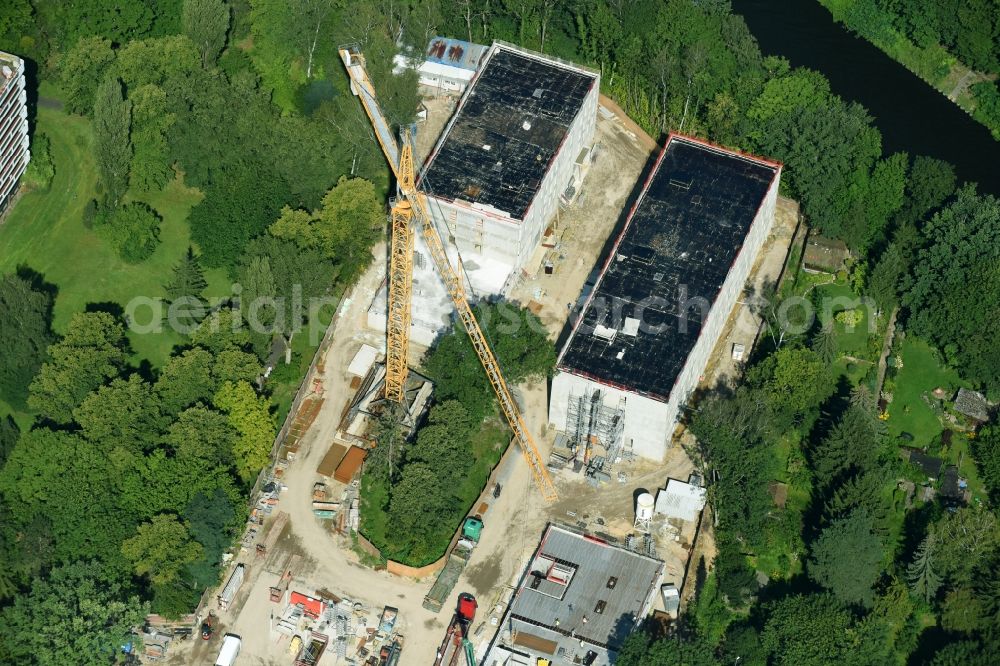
<point>495,177</point>
<point>576,602</point>
<point>14,153</point>
<point>664,293</point>
<point>496,173</point>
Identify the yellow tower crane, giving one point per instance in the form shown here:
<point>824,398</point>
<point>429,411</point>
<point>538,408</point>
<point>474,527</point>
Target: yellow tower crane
<point>409,209</point>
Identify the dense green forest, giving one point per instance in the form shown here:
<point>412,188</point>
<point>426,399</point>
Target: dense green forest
<point>220,143</point>
<point>928,35</point>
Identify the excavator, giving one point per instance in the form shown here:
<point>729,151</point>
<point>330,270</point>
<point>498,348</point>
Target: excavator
<point>409,211</point>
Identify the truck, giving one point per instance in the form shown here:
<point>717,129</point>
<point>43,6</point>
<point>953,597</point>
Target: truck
<point>472,529</point>
<point>456,648</point>
<point>389,654</point>
<point>231,644</point>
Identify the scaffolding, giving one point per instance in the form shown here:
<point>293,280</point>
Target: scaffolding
<point>591,421</point>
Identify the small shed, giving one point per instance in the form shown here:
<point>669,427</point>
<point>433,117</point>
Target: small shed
<point>350,465</point>
<point>824,255</point>
<point>671,598</point>
<point>972,404</point>
<point>950,491</point>
<point>680,500</point>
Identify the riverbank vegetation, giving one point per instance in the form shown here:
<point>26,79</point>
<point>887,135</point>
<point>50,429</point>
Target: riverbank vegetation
<point>832,546</point>
<point>953,45</point>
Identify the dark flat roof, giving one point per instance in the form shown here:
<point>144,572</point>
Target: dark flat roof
<point>684,232</point>
<point>510,91</point>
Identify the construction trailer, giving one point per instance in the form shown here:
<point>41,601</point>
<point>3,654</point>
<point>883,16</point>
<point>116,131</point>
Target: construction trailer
<point>446,65</point>
<point>667,286</point>
<point>232,586</point>
<point>495,176</point>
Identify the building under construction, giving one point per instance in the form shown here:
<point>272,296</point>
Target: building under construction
<point>496,174</point>
<point>667,286</point>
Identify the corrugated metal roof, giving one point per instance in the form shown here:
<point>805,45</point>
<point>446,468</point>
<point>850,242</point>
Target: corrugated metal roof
<point>350,465</point>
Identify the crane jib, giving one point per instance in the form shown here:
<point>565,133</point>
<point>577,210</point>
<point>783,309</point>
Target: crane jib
<point>410,211</point>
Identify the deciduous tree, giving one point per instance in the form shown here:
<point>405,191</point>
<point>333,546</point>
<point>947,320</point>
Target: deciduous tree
<point>79,614</point>
<point>250,416</point>
<point>112,145</point>
<point>25,316</point>
<point>92,351</point>
<point>151,119</point>
<point>185,380</point>
<point>133,230</point>
<point>125,414</point>
<point>206,22</point>
<point>81,69</point>
<point>161,548</point>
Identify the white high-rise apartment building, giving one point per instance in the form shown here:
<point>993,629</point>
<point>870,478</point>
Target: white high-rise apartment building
<point>14,153</point>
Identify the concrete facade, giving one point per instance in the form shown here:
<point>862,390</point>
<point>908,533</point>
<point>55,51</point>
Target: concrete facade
<point>14,149</point>
<point>489,246</point>
<point>499,239</point>
<point>650,418</point>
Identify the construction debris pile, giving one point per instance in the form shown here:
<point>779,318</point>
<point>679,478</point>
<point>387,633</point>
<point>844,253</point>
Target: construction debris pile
<point>315,625</point>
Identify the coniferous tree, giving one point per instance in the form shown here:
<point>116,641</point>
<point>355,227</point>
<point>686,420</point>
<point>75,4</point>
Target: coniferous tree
<point>188,278</point>
<point>825,343</point>
<point>923,579</point>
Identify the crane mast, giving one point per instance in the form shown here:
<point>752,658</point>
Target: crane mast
<point>408,210</point>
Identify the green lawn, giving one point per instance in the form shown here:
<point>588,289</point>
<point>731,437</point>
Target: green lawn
<point>45,232</point>
<point>851,340</point>
<point>920,374</point>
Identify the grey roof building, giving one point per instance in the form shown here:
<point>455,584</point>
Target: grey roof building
<point>972,404</point>
<point>576,602</point>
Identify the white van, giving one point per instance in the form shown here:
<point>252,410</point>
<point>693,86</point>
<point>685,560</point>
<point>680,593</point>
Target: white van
<point>230,650</point>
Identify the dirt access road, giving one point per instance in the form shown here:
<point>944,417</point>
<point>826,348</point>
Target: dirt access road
<point>328,563</point>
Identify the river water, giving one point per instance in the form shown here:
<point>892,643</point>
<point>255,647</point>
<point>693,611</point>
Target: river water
<point>912,115</point>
